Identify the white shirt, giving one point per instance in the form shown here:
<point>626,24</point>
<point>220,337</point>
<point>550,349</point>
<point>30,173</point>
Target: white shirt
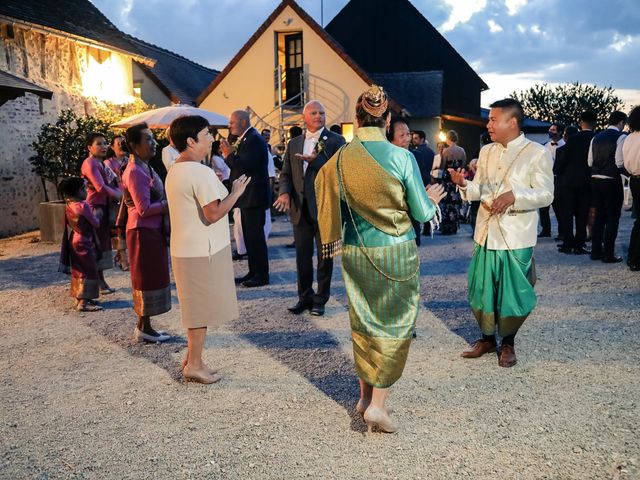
<point>310,142</point>
<point>169,155</point>
<point>436,171</point>
<point>552,148</point>
<point>221,166</point>
<point>271,167</point>
<point>631,153</point>
<point>190,186</point>
<point>525,168</point>
<point>619,162</point>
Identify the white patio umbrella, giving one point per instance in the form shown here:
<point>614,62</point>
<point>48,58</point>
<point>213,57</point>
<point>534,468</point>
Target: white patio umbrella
<point>162,117</point>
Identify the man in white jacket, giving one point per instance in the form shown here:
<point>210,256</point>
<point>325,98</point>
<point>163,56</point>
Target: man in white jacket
<point>514,179</point>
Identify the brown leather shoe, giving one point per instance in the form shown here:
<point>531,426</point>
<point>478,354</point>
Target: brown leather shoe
<point>479,348</point>
<point>507,356</point>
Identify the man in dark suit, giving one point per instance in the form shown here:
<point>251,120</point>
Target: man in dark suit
<point>424,156</point>
<point>574,177</point>
<point>302,160</point>
<point>250,157</point>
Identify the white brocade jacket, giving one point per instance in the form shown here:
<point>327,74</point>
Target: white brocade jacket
<point>525,168</point>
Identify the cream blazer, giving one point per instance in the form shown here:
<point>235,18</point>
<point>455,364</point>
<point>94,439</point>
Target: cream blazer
<point>525,168</point>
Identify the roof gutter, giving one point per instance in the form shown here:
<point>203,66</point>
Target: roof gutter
<point>75,38</point>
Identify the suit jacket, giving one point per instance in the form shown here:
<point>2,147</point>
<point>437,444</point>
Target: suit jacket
<point>299,185</point>
<point>251,158</point>
<point>572,166</point>
<point>424,157</point>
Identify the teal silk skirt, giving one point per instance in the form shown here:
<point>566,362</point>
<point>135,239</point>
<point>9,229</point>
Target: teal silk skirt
<point>501,288</point>
<point>383,291</point>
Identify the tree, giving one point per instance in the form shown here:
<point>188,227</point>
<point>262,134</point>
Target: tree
<point>564,103</point>
<point>60,148</point>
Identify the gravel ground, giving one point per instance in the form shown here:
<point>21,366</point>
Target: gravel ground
<point>80,400</point>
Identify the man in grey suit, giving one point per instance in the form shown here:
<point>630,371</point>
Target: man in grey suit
<point>305,155</point>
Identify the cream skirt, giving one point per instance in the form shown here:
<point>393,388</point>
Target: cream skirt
<point>206,289</point>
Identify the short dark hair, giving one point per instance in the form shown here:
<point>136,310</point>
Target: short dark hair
<point>215,146</point>
<point>571,130</point>
<point>512,107</point>
<point>365,119</point>
<point>295,131</point>
<point>392,127</point>
<point>187,126</point>
<point>133,134</point>
<point>634,119</point>
<point>588,116</point>
<point>616,117</point>
<point>336,129</point>
<point>420,133</point>
<point>265,130</point>
<point>69,187</point>
<point>92,136</point>
<point>559,127</point>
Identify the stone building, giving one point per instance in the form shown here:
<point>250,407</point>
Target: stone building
<point>61,54</point>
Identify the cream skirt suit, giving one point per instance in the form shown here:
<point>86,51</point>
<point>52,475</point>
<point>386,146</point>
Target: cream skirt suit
<point>200,251</point>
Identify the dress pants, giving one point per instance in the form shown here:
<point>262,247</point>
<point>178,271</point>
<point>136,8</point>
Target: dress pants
<point>574,204</point>
<point>252,220</point>
<point>305,234</point>
<point>634,243</point>
<point>545,221</point>
<point>607,199</point>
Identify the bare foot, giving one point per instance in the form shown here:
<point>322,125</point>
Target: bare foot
<point>213,371</point>
<point>201,375</point>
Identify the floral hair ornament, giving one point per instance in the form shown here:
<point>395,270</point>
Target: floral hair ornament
<point>374,101</point>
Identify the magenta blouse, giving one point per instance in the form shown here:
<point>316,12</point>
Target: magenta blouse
<point>145,195</point>
<point>98,190</point>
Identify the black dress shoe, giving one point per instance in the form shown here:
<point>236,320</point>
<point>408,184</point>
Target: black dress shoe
<point>255,282</point>
<point>596,256</point>
<point>317,310</point>
<point>581,251</point>
<point>565,250</point>
<point>238,256</point>
<point>634,268</point>
<point>611,259</point>
<point>559,238</point>
<point>248,276</point>
<point>300,307</point>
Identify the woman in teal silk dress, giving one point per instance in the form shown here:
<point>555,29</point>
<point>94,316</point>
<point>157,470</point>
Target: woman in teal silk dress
<point>366,195</point>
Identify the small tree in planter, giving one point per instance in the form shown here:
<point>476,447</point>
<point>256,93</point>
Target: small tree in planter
<point>60,147</point>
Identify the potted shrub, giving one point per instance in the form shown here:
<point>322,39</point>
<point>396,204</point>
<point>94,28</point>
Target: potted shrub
<point>60,149</point>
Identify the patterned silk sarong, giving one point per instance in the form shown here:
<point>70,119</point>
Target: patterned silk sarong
<point>501,288</point>
<point>383,308</point>
<point>149,265</point>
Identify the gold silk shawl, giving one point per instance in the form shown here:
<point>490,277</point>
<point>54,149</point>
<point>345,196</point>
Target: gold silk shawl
<point>367,188</point>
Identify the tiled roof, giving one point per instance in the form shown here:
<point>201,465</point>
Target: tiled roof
<point>181,79</point>
<point>419,93</point>
<point>13,87</point>
<point>79,18</point>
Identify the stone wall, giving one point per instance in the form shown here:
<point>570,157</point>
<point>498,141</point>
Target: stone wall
<point>56,64</point>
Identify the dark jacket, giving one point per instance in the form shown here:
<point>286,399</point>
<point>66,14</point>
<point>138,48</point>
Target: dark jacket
<point>251,158</point>
<point>424,157</point>
<point>572,166</point>
<point>604,153</point>
<point>300,186</point>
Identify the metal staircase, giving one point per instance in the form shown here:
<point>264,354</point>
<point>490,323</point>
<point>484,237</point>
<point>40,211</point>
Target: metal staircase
<point>286,113</point>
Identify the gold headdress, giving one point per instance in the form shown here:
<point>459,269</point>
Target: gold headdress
<point>374,101</point>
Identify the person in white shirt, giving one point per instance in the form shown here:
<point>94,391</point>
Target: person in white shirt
<point>631,161</point>
<point>556,131</point>
<point>169,153</point>
<point>514,179</point>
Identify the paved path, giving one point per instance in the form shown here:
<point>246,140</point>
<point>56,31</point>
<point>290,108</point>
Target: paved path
<point>79,399</point>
